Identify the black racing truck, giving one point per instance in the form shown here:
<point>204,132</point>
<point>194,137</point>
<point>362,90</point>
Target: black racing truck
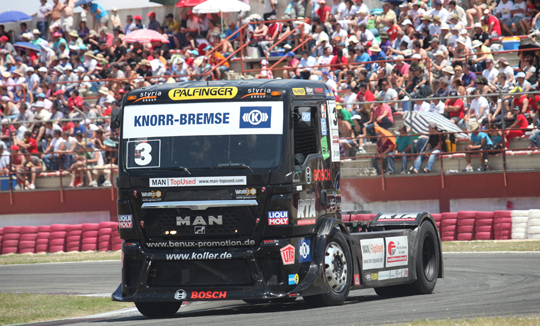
<point>231,191</point>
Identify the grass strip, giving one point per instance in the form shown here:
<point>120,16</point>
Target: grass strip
<point>491,245</point>
<point>18,308</point>
<point>525,320</point>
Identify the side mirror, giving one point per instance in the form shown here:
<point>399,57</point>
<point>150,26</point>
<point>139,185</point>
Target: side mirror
<point>115,118</point>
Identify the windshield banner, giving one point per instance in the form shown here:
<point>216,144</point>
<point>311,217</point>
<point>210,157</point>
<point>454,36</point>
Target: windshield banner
<point>203,119</point>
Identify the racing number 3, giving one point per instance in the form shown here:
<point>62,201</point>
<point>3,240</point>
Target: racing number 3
<point>144,150</point>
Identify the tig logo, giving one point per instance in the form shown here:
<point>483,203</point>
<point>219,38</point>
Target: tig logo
<point>287,254</point>
<point>391,248</point>
<point>255,117</point>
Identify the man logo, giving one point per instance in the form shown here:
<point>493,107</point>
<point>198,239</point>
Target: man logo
<point>200,230</point>
<point>180,295</point>
<point>255,117</point>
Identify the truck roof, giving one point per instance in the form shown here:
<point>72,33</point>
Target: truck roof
<point>257,89</point>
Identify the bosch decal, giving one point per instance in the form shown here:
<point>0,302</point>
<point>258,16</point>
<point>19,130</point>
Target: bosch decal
<point>209,295</point>
<point>293,279</point>
<point>322,175</point>
<point>397,251</point>
<point>125,221</point>
<point>372,253</point>
<point>287,254</point>
<point>255,117</point>
<point>304,250</point>
<point>278,218</point>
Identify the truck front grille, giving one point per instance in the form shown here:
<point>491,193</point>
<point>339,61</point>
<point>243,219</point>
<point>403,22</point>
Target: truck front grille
<point>213,223</point>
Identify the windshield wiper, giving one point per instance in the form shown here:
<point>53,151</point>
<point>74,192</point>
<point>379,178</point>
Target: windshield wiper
<point>177,168</point>
<point>231,165</point>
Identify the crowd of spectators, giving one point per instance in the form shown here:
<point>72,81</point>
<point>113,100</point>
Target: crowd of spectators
<point>370,57</point>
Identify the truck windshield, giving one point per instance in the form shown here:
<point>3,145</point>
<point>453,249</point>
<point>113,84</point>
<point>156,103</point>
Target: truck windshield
<point>230,135</point>
<point>192,152</point>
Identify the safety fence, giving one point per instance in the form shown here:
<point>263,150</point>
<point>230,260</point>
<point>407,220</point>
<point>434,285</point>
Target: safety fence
<point>60,238</point>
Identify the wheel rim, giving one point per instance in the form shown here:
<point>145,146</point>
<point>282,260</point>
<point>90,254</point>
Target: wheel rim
<point>429,259</point>
<point>335,264</point>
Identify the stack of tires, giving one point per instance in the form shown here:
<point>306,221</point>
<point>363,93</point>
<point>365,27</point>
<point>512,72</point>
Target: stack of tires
<point>448,226</point>
<point>104,236</point>
<point>116,242</point>
<point>89,238</point>
<point>73,237</point>
<point>465,225</point>
<point>533,224</point>
<point>1,236</point>
<point>10,239</point>
<point>519,224</point>
<point>483,227</point>
<point>57,238</point>
<point>27,241</point>
<point>502,225</point>
<point>42,240</point>
<point>437,218</point>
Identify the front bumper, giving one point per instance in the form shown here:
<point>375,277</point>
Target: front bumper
<point>157,275</point>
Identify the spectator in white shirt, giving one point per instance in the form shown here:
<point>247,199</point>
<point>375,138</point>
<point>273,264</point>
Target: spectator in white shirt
<point>306,65</point>
<point>349,97</point>
<point>421,106</point>
<point>490,73</point>
<point>339,9</point>
<point>504,67</point>
<point>328,80</point>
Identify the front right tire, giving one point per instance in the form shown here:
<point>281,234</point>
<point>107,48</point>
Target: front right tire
<point>337,270</point>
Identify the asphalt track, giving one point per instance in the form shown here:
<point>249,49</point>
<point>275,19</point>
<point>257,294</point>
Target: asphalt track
<point>475,285</point>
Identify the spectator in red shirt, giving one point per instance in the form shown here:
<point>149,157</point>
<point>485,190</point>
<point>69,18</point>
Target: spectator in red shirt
<point>339,62</point>
<point>28,143</point>
<point>521,123</point>
<point>75,101</point>
<point>365,95</point>
<point>324,11</point>
<point>68,126</point>
<point>392,30</point>
<point>454,108</point>
<point>494,26</point>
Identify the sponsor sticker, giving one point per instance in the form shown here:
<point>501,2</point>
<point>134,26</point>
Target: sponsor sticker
<point>374,276</point>
<point>299,91</point>
<point>151,196</point>
<point>200,244</point>
<point>278,218</point>
<point>384,275</point>
<point>324,148</point>
<point>293,279</point>
<point>197,181</point>
<point>397,251</point>
<point>319,90</point>
<point>299,188</point>
<point>255,117</point>
<point>202,119</point>
<point>334,131</point>
<point>309,90</point>
<point>180,295</point>
<point>304,250</point>
<point>330,95</point>
<point>200,256</point>
<point>257,92</point>
<point>202,93</point>
<point>372,253</point>
<point>322,175</point>
<point>356,279</point>
<point>125,221</point>
<point>287,254</point>
<point>367,276</point>
<point>248,193</point>
<point>323,127</point>
<point>297,176</point>
<point>199,220</point>
<point>209,295</point>
<point>306,116</point>
<point>397,217</point>
<point>148,96</point>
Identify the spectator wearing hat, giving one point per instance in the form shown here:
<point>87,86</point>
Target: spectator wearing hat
<point>426,22</point>
<point>454,108</point>
<point>481,142</point>
<point>138,22</point>
<point>115,18</point>
<point>6,45</point>
<point>32,80</point>
<point>522,82</point>
<point>69,80</point>
<point>480,35</point>
<point>431,149</point>
<point>153,23</point>
<point>478,62</point>
<point>291,67</point>
<point>505,68</point>
<point>348,97</point>
<point>328,80</point>
<point>389,95</point>
<point>265,72</point>
<point>101,16</point>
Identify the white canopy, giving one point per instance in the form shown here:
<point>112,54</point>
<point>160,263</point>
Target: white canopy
<point>216,6</point>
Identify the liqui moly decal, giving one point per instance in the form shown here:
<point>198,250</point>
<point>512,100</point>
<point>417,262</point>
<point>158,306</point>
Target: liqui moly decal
<point>198,181</point>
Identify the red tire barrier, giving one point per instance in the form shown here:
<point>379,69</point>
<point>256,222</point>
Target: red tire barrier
<point>87,247</point>
<point>10,239</point>
<point>12,236</point>
<point>27,244</point>
<point>9,250</point>
<point>27,250</point>
<point>10,243</point>
<point>12,229</point>
<point>44,228</point>
<point>58,235</point>
<point>466,214</point>
<point>448,226</point>
<point>465,236</point>
<point>53,249</point>
<point>90,234</point>
<point>29,229</point>
<point>42,240</point>
<point>484,226</point>
<point>28,237</point>
<point>502,225</point>
<point>483,236</point>
<point>465,229</point>
<point>90,227</point>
